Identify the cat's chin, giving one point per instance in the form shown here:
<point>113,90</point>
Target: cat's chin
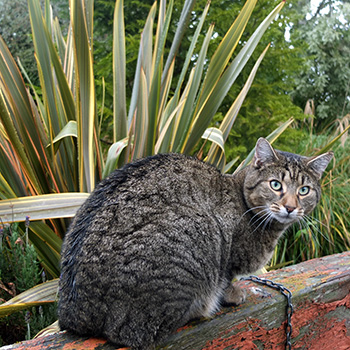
<point>285,220</point>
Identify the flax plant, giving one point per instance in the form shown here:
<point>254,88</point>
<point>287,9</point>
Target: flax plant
<point>50,151</point>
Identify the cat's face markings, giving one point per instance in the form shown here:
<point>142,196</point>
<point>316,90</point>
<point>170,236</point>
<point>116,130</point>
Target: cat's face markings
<point>287,206</point>
<point>283,186</point>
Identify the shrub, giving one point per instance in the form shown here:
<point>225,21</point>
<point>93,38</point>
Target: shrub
<point>19,271</point>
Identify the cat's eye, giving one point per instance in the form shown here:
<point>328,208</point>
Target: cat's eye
<point>276,185</point>
<point>303,191</point>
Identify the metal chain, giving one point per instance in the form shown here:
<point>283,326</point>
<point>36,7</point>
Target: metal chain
<point>287,293</point>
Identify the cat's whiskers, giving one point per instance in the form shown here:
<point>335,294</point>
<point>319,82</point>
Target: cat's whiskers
<point>249,210</point>
<point>311,228</point>
<point>266,218</point>
<point>268,221</point>
<point>264,209</point>
<point>318,221</point>
<point>309,222</point>
<point>306,223</point>
<point>303,224</point>
<point>259,217</point>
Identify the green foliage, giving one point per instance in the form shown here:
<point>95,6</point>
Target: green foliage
<point>135,15</point>
<point>15,31</point>
<point>38,318</point>
<point>18,260</point>
<point>19,271</point>
<point>324,77</point>
<point>327,230</point>
<point>65,143</point>
<point>268,103</point>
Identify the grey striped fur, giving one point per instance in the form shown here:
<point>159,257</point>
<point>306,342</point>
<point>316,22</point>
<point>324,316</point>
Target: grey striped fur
<point>159,241</point>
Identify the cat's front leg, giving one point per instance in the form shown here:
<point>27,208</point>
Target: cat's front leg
<point>234,295</point>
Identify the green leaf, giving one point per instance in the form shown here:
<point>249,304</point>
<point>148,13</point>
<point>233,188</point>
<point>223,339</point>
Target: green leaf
<point>41,294</point>
<point>189,55</point>
<point>230,164</point>
<point>119,68</point>
<point>70,129</point>
<point>185,117</point>
<point>216,136</point>
<point>47,245</point>
<point>166,129</point>
<point>52,329</point>
<point>41,108</point>
<point>225,49</point>
<point>6,190</point>
<point>211,100</point>
<point>18,146</point>
<point>141,119</point>
<point>6,310</point>
<point>181,27</point>
<point>59,39</point>
<point>15,114</point>
<point>40,36</point>
<point>142,76</point>
<point>155,87</point>
<point>163,101</point>
<point>85,87</point>
<point>231,115</point>
<point>47,58</point>
<point>47,206</point>
<point>215,154</point>
<point>113,155</point>
<point>332,142</point>
<point>11,180</point>
<point>88,7</point>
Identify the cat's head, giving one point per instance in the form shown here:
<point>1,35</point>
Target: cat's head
<point>283,186</point>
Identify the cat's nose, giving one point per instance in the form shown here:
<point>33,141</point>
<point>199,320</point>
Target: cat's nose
<point>289,209</point>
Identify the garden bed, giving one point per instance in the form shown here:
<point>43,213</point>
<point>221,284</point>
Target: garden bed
<point>321,318</point>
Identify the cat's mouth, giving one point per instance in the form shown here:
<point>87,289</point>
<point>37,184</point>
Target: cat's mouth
<point>285,215</point>
<point>285,219</point>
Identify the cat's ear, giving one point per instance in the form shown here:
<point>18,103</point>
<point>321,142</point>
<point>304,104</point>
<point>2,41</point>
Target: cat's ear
<point>264,153</point>
<point>319,163</point>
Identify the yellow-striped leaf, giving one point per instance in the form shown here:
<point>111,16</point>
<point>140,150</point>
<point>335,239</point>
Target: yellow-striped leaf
<point>85,88</point>
<point>215,153</point>
<point>41,294</point>
<point>47,206</point>
<point>119,67</point>
<point>113,156</point>
<point>210,102</point>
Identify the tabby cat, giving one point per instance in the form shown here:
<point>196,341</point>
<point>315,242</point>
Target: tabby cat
<point>159,241</point>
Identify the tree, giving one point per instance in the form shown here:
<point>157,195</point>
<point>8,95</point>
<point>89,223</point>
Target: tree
<point>15,30</point>
<point>325,77</point>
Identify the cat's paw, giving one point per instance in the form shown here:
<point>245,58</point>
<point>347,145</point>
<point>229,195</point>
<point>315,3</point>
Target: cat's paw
<point>234,295</point>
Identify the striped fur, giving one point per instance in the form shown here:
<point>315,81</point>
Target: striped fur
<point>159,241</point>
